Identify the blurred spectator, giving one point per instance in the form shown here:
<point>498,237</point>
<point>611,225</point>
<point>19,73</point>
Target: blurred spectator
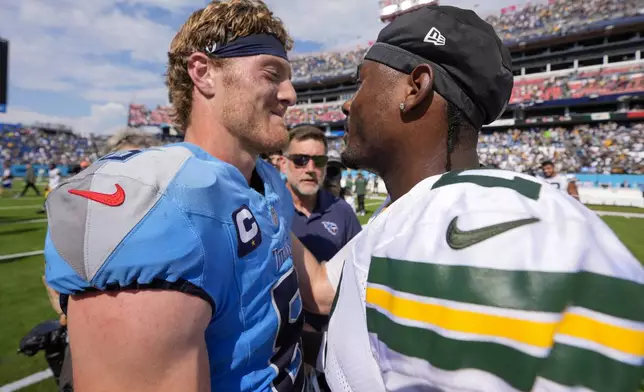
<point>361,192</point>
<point>30,181</point>
<point>130,139</point>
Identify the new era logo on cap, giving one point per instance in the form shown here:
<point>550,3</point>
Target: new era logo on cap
<point>435,37</point>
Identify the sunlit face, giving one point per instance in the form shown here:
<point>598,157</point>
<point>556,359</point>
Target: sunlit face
<point>256,93</point>
<point>548,171</point>
<point>367,113</point>
<point>305,179</point>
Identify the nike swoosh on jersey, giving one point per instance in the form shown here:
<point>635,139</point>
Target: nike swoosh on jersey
<point>109,199</point>
<point>458,239</point>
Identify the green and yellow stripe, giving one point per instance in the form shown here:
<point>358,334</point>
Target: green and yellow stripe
<point>399,290</point>
<point>537,291</point>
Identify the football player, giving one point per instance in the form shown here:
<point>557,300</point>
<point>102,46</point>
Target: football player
<point>471,279</point>
<point>557,180</point>
<point>175,264</point>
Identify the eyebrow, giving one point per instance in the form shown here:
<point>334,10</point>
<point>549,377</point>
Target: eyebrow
<point>271,61</point>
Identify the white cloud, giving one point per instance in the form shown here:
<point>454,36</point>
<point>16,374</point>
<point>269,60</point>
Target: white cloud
<point>103,119</point>
<point>331,22</point>
<point>152,96</point>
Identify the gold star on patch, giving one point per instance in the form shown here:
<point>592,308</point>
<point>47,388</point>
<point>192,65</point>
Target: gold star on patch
<point>252,242</point>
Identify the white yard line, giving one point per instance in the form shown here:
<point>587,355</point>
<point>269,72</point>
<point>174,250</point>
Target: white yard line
<point>622,214</point>
<point>19,255</point>
<point>27,381</point>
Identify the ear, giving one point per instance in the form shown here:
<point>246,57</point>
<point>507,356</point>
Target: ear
<point>200,70</point>
<point>421,81</point>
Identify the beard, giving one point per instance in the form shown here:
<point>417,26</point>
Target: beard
<point>353,155</point>
<point>259,133</point>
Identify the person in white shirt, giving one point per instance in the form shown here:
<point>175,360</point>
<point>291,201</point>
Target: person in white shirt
<point>469,279</point>
<point>558,181</point>
<point>7,178</point>
<point>54,178</point>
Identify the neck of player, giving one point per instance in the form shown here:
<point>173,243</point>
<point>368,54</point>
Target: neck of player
<point>303,203</point>
<point>221,144</point>
<point>410,169</point>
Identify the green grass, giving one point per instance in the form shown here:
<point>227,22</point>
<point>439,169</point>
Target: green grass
<point>636,210</point>
<point>24,302</point>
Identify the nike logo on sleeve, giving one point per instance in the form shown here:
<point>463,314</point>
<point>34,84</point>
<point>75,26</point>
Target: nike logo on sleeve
<point>109,199</point>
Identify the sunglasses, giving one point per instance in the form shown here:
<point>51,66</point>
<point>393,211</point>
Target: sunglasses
<point>301,160</point>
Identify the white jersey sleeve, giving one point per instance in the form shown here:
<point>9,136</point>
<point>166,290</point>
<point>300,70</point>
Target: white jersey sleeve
<point>486,280</point>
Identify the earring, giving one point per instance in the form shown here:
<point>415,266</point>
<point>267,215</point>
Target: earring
<point>402,107</point>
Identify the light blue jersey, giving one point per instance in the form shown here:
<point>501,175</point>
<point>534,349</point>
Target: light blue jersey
<point>177,218</point>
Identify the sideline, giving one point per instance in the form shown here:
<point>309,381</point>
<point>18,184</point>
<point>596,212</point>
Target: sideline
<point>21,207</point>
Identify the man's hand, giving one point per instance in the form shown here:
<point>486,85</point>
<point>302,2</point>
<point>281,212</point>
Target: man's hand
<point>148,340</point>
<point>315,288</point>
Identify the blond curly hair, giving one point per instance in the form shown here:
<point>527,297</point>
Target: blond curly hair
<point>220,22</point>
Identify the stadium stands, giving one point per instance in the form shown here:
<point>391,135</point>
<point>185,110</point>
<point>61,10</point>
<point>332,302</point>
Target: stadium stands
<point>619,80</point>
<point>558,18</point>
<point>595,147</point>
<point>39,145</point>
<point>606,148</point>
<point>513,25</point>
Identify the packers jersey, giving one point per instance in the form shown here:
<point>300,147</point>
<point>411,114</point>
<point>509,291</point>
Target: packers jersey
<point>176,218</point>
<point>485,280</point>
<point>558,181</point>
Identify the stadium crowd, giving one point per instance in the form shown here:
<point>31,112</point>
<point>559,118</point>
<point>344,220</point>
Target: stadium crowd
<point>601,148</point>
<point>39,146</point>
<point>579,84</point>
<point>607,148</point>
<point>557,17</point>
<point>527,91</point>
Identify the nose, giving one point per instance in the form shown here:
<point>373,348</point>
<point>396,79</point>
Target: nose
<point>346,106</point>
<point>287,94</point>
<point>310,166</point>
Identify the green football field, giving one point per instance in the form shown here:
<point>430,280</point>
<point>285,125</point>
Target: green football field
<point>24,301</point>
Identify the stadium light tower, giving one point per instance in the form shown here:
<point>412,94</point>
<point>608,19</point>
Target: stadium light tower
<point>391,9</point>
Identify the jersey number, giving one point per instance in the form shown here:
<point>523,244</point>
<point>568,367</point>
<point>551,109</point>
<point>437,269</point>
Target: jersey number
<point>287,357</point>
<point>121,156</point>
<point>527,188</point>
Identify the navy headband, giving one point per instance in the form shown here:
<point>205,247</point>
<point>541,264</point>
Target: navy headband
<point>251,45</point>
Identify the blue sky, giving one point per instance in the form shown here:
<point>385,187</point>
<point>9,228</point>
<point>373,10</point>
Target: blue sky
<point>80,62</point>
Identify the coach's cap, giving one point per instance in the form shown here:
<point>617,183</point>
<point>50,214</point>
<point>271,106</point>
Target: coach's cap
<point>334,157</point>
<point>472,68</point>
